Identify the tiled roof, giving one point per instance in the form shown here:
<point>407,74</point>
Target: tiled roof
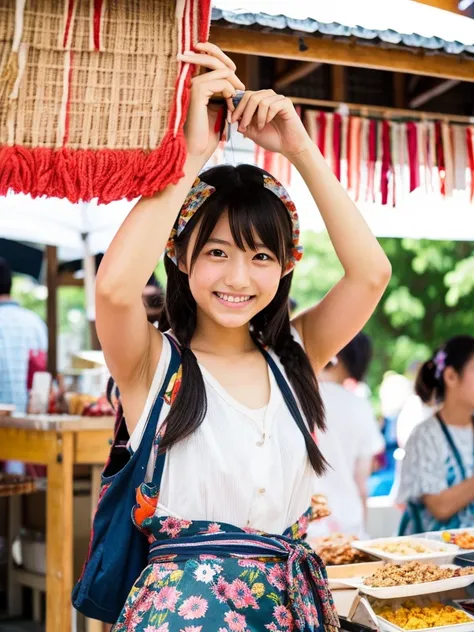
<point>393,21</point>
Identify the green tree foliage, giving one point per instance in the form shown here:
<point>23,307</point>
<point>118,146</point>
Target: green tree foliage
<point>429,299</point>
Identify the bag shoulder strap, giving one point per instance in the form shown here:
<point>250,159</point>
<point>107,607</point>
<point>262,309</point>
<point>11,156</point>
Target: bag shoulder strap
<point>449,438</point>
<point>173,368</point>
<point>154,414</point>
<point>285,389</point>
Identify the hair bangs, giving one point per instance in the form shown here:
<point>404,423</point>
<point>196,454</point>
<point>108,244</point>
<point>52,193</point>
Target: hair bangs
<point>256,217</point>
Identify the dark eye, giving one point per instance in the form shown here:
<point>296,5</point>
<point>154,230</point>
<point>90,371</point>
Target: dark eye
<point>217,253</point>
<point>262,256</point>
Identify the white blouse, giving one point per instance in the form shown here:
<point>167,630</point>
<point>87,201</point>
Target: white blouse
<point>241,466</point>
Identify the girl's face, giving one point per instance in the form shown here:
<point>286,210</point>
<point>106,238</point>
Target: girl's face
<point>461,386</point>
<point>228,284</point>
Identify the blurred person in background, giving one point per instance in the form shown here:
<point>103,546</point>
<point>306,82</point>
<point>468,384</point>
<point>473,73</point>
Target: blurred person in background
<point>414,410</point>
<point>351,441</point>
<point>22,332</point>
<point>153,298</point>
<point>437,473</point>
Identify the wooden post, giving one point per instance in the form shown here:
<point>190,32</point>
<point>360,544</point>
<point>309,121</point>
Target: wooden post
<point>52,307</point>
<point>94,339</point>
<point>59,539</point>
<point>338,83</point>
<point>253,73</point>
<point>15,593</point>
<point>399,89</point>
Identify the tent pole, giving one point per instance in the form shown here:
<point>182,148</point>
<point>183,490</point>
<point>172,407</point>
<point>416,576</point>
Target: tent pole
<point>52,307</point>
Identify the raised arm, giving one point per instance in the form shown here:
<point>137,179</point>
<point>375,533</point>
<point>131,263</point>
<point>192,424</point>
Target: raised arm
<point>271,121</point>
<point>131,345</point>
<point>328,326</point>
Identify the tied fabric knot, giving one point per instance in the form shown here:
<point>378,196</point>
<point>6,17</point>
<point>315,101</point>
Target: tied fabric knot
<point>302,564</point>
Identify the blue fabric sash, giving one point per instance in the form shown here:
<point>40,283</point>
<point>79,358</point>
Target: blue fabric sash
<point>301,561</point>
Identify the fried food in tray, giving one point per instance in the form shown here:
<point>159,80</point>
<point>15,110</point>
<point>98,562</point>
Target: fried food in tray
<point>413,573</point>
<point>463,539</point>
<point>411,616</point>
<point>336,550</point>
<point>319,507</point>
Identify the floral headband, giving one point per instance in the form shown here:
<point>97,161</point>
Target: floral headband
<point>199,194</point>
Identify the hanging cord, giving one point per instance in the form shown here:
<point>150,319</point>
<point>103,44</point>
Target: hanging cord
<point>236,99</point>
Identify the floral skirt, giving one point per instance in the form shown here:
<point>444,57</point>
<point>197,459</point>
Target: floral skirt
<point>218,578</point>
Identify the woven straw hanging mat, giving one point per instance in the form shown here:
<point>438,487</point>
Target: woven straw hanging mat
<point>92,97</point>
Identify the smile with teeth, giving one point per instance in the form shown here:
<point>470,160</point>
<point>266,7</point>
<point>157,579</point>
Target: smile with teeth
<point>229,298</point>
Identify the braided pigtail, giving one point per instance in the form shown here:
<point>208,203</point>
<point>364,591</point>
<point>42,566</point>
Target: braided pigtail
<point>189,408</point>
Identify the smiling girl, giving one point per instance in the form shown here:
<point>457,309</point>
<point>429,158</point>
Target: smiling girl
<point>238,421</point>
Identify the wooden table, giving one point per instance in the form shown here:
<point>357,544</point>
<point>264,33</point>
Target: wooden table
<point>59,443</point>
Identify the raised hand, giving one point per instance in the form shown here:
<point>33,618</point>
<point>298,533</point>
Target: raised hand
<point>201,136</point>
<point>271,121</point>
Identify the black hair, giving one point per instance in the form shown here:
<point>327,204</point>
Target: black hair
<point>356,356</point>
<point>5,277</point>
<point>456,353</point>
<point>252,211</point>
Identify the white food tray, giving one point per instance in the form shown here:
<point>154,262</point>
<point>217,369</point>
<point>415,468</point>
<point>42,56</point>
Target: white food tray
<point>437,536</point>
<point>411,590</point>
<point>338,575</point>
<point>442,553</point>
<point>386,626</point>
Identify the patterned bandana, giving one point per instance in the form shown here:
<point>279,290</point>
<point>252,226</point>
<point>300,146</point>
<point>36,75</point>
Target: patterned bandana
<point>199,194</point>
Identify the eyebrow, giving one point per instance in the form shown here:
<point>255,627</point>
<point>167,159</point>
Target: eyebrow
<point>223,242</point>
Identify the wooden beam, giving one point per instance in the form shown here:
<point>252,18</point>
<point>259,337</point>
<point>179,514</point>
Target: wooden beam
<point>293,74</point>
<point>381,110</point>
<point>447,5</point>
<point>437,91</point>
<point>343,53</point>
<point>338,83</point>
<point>52,307</point>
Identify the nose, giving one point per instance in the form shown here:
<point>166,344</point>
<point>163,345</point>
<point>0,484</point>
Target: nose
<point>237,274</point>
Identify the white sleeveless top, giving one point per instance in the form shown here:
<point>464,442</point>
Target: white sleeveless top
<point>241,466</point>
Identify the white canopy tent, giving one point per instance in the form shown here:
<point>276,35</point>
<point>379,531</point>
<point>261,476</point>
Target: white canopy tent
<point>56,222</point>
<point>79,231</point>
<point>70,232</point>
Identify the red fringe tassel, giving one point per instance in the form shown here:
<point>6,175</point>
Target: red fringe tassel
<point>106,174</point>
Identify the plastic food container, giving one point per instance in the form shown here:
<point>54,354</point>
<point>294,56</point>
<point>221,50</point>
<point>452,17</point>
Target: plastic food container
<point>438,553</point>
